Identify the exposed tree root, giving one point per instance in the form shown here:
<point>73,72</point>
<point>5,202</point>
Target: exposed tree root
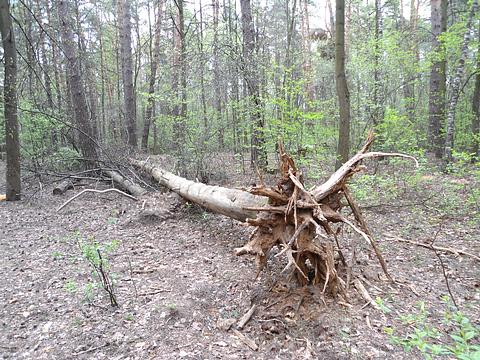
<point>287,216</point>
<point>299,222</point>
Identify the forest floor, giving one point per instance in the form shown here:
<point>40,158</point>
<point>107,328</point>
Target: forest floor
<point>180,286</point>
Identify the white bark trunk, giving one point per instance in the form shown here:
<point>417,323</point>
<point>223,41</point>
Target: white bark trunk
<point>456,82</point>
<point>225,201</point>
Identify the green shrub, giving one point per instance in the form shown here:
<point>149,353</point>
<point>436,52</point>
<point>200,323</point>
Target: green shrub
<point>459,337</point>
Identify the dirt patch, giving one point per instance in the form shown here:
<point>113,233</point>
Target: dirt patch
<point>179,284</point>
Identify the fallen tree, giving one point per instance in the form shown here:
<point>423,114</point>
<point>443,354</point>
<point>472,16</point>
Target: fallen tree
<point>233,203</point>
<point>124,183</point>
<point>298,221</point>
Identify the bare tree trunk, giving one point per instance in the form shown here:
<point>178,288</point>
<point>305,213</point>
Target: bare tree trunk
<point>377,86</point>
<point>476,110</point>
<point>87,72</point>
<point>438,78</point>
<point>456,82</point>
<point>127,69</point>
<point>258,154</point>
<point>290,19</point>
<point>217,99</point>
<point>29,48</point>
<point>331,18</point>
<point>118,122</point>
<point>180,84</point>
<point>307,56</point>
<point>44,62</point>
<point>341,85</point>
<point>54,59</point>
<point>229,202</point>
<point>411,76</point>
<point>202,62</point>
<point>154,59</point>
<point>234,78</point>
<point>12,140</point>
<point>80,108</point>
<point>103,126</point>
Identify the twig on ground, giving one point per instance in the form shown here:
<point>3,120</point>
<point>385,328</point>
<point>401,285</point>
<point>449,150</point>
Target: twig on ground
<point>363,225</point>
<point>155,291</point>
<point>433,247</point>
<point>446,277</point>
<point>93,348</point>
<point>130,269</point>
<point>277,301</point>
<point>246,340</point>
<point>366,296</point>
<point>246,318</point>
<point>442,265</point>
<point>422,202</point>
<point>95,191</point>
<point>104,276</point>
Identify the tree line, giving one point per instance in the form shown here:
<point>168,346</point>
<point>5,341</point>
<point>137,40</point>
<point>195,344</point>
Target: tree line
<point>169,76</point>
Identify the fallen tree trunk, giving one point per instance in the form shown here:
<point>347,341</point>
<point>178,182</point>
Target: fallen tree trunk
<point>300,222</point>
<point>62,186</point>
<point>229,202</point>
<point>125,184</point>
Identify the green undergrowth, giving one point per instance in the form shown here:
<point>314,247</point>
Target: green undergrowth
<point>96,256</point>
<point>450,334</point>
<point>398,183</point>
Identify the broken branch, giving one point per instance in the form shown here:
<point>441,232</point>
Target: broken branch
<point>95,191</point>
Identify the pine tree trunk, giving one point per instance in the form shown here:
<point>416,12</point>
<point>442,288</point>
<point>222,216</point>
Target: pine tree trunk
<point>54,60</point>
<point>307,56</point>
<point>476,110</point>
<point>411,75</point>
<point>103,80</point>
<point>438,78</point>
<point>87,71</point>
<point>127,70</point>
<point>217,99</point>
<point>154,59</point>
<point>12,140</point>
<point>377,86</point>
<point>180,85</point>
<point>79,103</point>
<point>258,155</point>
<point>341,85</point>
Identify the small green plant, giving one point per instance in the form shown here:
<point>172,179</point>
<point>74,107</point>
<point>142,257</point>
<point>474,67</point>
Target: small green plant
<point>89,292</point>
<point>460,164</point>
<point>230,314</point>
<point>77,321</point>
<point>97,256</point>
<point>459,339</point>
<point>71,286</point>
<point>172,307</point>
<point>113,218</point>
<point>381,304</point>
